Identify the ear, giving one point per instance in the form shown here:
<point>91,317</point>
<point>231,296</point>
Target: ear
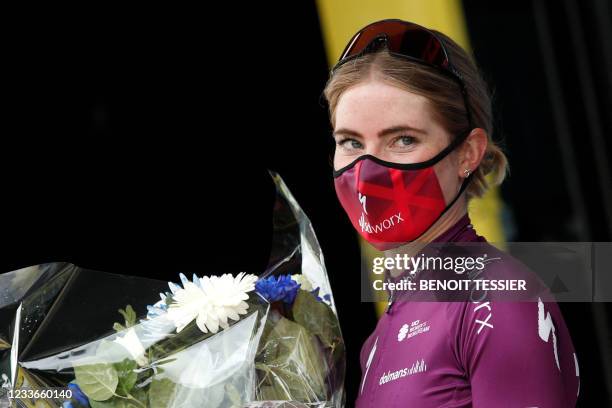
<point>472,151</point>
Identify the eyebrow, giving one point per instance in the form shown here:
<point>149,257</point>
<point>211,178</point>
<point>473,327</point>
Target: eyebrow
<point>384,132</point>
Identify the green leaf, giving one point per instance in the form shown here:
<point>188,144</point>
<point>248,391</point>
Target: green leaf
<point>317,317</point>
<point>161,393</point>
<point>111,403</point>
<point>127,376</point>
<point>292,363</point>
<point>118,327</point>
<point>98,381</point>
<point>273,318</point>
<point>270,393</point>
<point>118,402</point>
<point>140,395</point>
<point>129,315</point>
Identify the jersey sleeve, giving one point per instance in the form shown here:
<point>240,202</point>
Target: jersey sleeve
<point>517,354</point>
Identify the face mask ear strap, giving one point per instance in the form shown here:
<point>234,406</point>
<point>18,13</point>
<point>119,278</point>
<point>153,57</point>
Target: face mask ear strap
<point>464,185</point>
<point>456,142</point>
<point>466,182</point>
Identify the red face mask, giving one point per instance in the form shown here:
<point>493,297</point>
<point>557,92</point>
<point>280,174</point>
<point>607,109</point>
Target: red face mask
<point>391,204</point>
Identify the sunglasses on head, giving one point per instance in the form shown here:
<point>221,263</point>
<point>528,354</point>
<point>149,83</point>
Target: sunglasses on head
<point>405,40</point>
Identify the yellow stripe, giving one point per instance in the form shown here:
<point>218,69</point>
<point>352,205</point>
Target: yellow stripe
<point>340,19</point>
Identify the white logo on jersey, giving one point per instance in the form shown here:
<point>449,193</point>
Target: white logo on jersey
<point>418,367</point>
<point>370,358</point>
<point>577,373</point>
<point>415,328</point>
<point>484,323</point>
<point>546,327</point>
<point>402,332</point>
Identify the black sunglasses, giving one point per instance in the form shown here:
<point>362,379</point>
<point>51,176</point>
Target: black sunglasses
<point>405,40</point>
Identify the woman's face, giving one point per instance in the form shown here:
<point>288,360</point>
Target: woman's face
<point>394,125</point>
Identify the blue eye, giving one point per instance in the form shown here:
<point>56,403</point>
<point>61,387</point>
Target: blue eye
<point>404,141</point>
<point>350,144</point>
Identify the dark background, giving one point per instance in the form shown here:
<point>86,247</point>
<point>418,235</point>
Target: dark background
<point>138,141</point>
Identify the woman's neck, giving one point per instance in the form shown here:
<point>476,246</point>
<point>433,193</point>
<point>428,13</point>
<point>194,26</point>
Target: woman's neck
<point>446,221</point>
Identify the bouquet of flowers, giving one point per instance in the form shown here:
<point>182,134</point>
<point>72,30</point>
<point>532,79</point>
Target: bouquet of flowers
<point>241,340</point>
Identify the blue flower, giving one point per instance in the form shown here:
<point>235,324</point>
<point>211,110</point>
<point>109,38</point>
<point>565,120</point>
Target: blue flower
<point>159,308</point>
<point>281,288</point>
<point>78,395</point>
<point>326,298</point>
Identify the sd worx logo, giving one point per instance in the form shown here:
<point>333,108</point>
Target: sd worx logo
<point>381,226</point>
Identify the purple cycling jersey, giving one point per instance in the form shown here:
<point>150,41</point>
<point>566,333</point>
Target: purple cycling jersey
<point>471,353</point>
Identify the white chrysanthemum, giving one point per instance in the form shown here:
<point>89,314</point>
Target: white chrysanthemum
<point>303,281</point>
<point>210,301</point>
<point>132,344</point>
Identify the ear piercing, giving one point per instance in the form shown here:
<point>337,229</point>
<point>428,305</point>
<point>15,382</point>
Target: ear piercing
<point>466,172</point>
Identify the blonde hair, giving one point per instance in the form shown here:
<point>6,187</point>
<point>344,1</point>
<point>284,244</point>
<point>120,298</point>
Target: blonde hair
<point>443,94</point>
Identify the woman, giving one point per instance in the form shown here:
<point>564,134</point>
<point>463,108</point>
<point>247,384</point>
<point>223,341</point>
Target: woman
<point>412,123</point>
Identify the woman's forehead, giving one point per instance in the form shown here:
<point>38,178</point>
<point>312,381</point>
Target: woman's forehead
<point>372,106</point>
